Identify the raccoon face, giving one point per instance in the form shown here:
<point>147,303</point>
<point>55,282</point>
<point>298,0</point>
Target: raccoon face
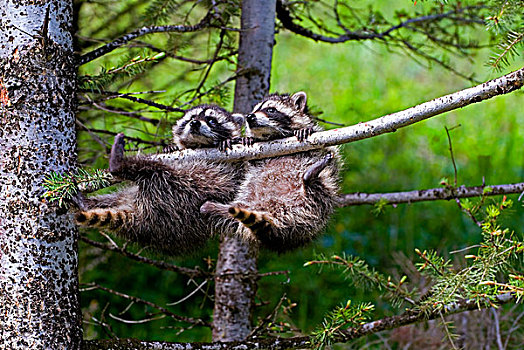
<point>277,116</point>
<point>206,126</point>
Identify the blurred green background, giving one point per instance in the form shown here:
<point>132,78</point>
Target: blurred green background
<point>349,83</point>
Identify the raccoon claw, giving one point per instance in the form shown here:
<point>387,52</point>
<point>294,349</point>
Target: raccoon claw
<point>225,145</point>
<point>303,134</point>
<point>314,170</point>
<point>117,153</point>
<point>247,141</point>
<point>78,200</point>
<point>170,149</point>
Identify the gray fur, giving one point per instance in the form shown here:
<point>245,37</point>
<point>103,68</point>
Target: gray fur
<point>161,209</point>
<point>275,205</point>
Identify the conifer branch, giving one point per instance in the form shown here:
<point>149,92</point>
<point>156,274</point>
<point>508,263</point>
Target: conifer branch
<point>301,341</point>
<point>88,57</point>
<point>386,124</point>
<point>445,193</point>
<point>411,317</point>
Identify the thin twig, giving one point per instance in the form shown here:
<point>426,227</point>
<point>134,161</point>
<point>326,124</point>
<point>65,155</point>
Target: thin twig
<point>138,300</point>
<point>141,32</point>
<point>497,328</point>
<point>451,153</point>
<point>192,273</point>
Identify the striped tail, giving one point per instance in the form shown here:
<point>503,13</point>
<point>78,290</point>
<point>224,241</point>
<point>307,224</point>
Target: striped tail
<point>103,218</point>
<point>257,222</point>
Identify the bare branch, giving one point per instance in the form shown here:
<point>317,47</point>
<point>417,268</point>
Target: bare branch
<point>386,124</point>
<point>285,17</point>
<point>128,96</point>
<point>432,194</point>
<point>88,57</point>
<point>197,272</point>
<point>93,286</point>
<point>192,273</point>
<point>409,317</point>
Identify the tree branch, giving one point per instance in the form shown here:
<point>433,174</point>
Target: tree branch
<point>432,194</point>
<point>285,17</point>
<point>386,124</point>
<point>192,273</point>
<point>190,320</point>
<point>128,96</point>
<point>88,57</point>
<point>410,317</point>
<point>303,341</point>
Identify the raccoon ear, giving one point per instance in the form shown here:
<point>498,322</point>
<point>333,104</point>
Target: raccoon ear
<point>238,119</point>
<point>300,100</point>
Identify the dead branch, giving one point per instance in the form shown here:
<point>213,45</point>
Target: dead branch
<point>445,193</point>
<point>88,57</point>
<point>286,18</point>
<point>192,273</point>
<point>190,320</point>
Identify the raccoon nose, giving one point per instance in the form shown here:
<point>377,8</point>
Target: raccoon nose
<point>194,125</point>
<point>251,118</point>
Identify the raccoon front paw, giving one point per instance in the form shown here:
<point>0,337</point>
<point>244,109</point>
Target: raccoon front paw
<point>225,145</point>
<point>170,148</point>
<point>303,134</point>
<point>117,153</point>
<point>247,141</point>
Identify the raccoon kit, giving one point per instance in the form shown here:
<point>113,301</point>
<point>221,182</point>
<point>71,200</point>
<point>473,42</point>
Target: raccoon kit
<point>283,202</point>
<point>161,209</point>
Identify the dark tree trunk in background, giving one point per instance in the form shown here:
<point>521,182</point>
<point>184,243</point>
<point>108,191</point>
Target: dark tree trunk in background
<point>39,304</point>
<point>237,262</point>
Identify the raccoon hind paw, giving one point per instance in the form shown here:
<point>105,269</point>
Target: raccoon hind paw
<point>253,220</point>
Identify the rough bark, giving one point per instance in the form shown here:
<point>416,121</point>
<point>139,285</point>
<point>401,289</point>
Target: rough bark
<point>39,304</point>
<point>235,281</point>
<point>385,124</point>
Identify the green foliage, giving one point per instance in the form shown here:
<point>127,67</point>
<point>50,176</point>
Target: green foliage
<point>62,187</point>
<point>351,83</point>
<point>359,274</point>
<point>487,274</point>
<point>505,22</point>
<point>158,11</point>
<point>128,67</point>
<point>380,206</point>
<point>507,50</point>
<point>339,319</point>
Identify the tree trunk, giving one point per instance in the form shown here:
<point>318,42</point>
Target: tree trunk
<point>39,304</point>
<point>237,262</point>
